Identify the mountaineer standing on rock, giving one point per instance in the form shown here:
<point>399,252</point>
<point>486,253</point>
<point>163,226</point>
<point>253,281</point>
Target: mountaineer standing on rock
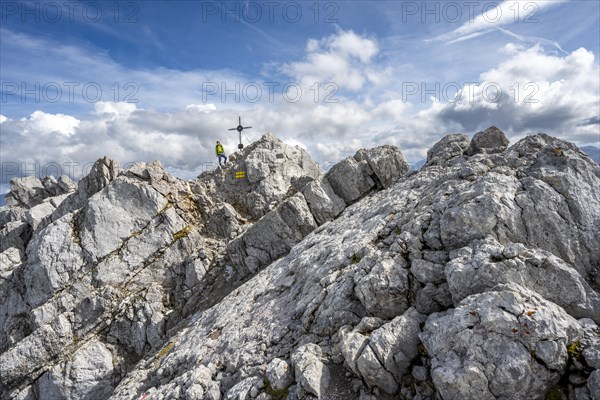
<point>220,153</point>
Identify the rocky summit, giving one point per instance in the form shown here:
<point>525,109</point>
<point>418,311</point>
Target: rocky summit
<point>476,277</point>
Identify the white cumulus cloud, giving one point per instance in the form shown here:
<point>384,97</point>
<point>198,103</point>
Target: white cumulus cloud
<point>533,90</point>
<point>41,123</point>
<point>121,108</point>
<point>344,58</point>
<point>203,108</point>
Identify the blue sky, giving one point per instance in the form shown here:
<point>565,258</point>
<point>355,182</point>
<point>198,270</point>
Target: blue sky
<point>144,80</point>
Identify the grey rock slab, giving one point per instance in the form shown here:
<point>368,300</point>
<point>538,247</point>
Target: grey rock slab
<point>87,375</point>
<point>450,147</point>
<point>11,214</point>
<point>272,236</point>
<point>386,162</point>
<point>350,180</point>
<point>427,272</point>
<point>39,348</point>
<point>591,343</point>
<point>9,259</point>
<point>575,180</point>
<point>324,204</point>
<point>485,347</point>
<point>130,206</point>
<point>54,260</point>
<point>420,373</point>
<point>26,192</point>
<point>36,214</point>
<point>66,184</point>
<point>15,234</point>
<point>225,221</point>
<point>592,355</point>
<point>310,371</point>
<point>492,140</point>
<point>382,358</point>
<point>384,291</point>
<point>487,265</point>
<point>103,171</point>
<point>374,373</point>
<point>279,374</point>
<point>593,384</point>
<point>351,346</point>
<point>245,390</point>
<point>482,210</point>
<point>395,343</point>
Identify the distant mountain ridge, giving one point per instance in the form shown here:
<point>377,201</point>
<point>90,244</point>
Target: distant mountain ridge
<point>593,152</point>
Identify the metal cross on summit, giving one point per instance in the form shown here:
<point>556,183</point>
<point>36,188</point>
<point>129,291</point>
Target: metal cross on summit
<point>240,128</point>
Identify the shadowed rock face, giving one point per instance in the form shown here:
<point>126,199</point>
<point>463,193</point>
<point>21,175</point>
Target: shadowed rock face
<point>492,140</point>
<point>473,278</point>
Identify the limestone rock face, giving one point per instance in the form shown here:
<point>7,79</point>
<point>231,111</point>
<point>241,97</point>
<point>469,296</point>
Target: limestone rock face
<point>311,374</point>
<point>103,171</point>
<point>350,179</point>
<point>506,343</point>
<point>386,162</point>
<point>476,277</point>
<point>318,202</point>
<point>88,375</point>
<point>323,202</point>
<point>266,172</point>
<point>85,266</point>
<point>384,357</point>
<point>489,263</point>
<point>272,236</point>
<point>278,374</point>
<point>101,174</point>
<point>447,149</point>
<point>492,140</point>
<point>384,290</point>
<point>30,191</point>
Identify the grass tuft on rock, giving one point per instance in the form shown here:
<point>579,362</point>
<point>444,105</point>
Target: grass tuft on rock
<point>574,350</point>
<point>182,233</point>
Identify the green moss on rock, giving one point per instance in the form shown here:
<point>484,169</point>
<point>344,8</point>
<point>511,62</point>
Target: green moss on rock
<point>274,393</point>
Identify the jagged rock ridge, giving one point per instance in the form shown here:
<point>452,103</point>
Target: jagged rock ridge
<point>475,277</point>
